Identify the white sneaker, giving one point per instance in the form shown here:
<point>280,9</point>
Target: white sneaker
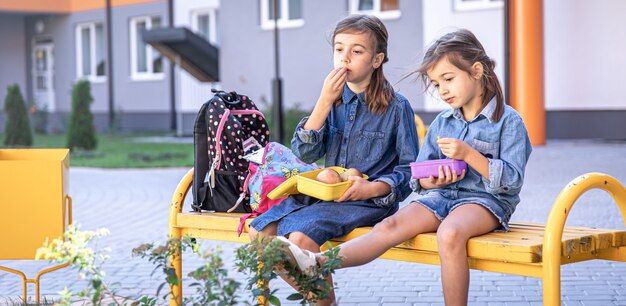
<point>304,258</point>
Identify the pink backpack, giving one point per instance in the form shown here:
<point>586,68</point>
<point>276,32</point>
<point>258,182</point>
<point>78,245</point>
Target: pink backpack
<point>279,164</point>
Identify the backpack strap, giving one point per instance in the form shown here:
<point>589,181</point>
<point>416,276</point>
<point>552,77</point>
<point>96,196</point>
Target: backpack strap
<point>242,196</point>
<point>201,159</point>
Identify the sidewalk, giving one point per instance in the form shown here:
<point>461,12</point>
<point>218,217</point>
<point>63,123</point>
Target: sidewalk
<point>133,204</point>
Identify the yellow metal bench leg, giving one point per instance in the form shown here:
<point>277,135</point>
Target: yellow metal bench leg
<point>553,233</point>
<point>176,260</point>
<point>34,281</point>
<point>68,213</point>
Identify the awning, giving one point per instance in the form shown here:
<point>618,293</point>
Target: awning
<point>182,46</point>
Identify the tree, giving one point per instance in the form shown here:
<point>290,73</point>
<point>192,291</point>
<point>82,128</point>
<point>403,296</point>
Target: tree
<point>81,133</point>
<point>17,127</point>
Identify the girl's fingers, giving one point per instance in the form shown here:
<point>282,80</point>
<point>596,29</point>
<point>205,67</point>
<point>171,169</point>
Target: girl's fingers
<point>333,73</point>
<point>339,77</point>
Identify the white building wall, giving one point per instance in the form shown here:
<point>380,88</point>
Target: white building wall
<point>440,17</point>
<point>585,43</point>
<point>190,92</point>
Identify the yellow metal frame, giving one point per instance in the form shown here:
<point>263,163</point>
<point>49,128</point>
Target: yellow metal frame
<point>553,256</point>
<point>176,262</point>
<point>421,129</point>
<point>35,281</point>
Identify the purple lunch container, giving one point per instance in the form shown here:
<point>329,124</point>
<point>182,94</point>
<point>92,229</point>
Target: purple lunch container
<point>431,167</point>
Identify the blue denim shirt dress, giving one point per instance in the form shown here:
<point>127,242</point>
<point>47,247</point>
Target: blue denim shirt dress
<point>379,145</point>
<point>504,143</point>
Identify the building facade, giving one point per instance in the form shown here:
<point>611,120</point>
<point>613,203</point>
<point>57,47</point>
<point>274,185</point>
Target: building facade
<point>47,47</point>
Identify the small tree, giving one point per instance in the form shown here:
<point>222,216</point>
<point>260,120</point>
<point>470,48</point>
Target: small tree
<point>17,127</point>
<point>81,132</point>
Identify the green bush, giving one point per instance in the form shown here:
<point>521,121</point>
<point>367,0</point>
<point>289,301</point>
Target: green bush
<point>291,118</point>
<point>17,127</point>
<point>39,118</point>
<point>81,133</point>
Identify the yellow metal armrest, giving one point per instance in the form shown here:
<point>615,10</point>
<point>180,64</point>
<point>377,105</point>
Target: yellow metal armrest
<point>556,222</point>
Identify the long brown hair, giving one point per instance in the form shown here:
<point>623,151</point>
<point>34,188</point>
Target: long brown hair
<point>379,92</point>
<point>463,49</point>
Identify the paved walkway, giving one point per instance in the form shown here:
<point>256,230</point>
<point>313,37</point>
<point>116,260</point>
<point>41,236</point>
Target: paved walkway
<point>133,205</point>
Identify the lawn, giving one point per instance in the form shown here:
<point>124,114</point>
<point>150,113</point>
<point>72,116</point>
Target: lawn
<point>126,151</point>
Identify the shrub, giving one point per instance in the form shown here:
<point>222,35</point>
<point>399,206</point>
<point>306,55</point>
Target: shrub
<point>291,118</point>
<point>39,118</point>
<point>257,260</point>
<point>81,133</point>
<point>17,127</point>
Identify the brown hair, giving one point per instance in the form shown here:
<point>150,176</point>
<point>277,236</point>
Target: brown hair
<point>463,49</point>
<point>379,92</point>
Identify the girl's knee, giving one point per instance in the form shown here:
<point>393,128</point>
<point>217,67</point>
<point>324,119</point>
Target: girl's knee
<point>266,232</point>
<point>387,226</point>
<point>303,241</point>
<point>450,237</point>
<point>252,233</point>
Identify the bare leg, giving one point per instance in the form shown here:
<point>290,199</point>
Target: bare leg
<point>301,240</point>
<point>270,230</point>
<point>411,220</point>
<point>457,228</point>
<point>306,243</point>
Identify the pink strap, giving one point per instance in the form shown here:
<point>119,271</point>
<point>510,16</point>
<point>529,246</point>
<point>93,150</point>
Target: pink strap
<point>242,221</point>
<point>220,129</point>
<point>247,112</point>
<point>252,168</point>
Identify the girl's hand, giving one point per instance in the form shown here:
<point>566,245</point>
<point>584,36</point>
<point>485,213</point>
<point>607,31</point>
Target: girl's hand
<point>454,148</point>
<point>363,189</point>
<point>446,177</point>
<point>333,85</point>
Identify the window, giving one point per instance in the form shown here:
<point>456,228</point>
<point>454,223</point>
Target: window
<point>472,5</point>
<point>383,9</point>
<point>146,63</point>
<point>289,14</point>
<point>90,61</point>
<point>204,23</point>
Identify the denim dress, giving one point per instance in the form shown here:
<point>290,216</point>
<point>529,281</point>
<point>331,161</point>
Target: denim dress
<point>379,145</point>
<point>506,146</point>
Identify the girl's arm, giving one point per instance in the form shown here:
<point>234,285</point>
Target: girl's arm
<point>393,187</point>
<point>459,149</point>
<point>430,150</point>
<point>333,87</point>
<point>363,189</point>
<point>308,140</point>
<point>506,173</point>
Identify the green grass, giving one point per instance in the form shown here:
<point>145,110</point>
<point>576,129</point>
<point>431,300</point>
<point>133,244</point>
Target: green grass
<point>123,151</point>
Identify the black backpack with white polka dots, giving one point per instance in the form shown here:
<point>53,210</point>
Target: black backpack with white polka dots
<point>227,127</point>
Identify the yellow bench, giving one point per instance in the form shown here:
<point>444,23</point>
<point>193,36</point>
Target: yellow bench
<point>528,249</point>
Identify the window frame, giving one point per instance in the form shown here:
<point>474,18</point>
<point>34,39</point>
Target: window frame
<point>212,12</point>
<point>283,22</point>
<point>92,77</point>
<point>383,15</point>
<point>149,75</point>
<point>477,5</point>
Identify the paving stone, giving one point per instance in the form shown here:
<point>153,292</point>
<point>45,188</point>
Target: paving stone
<point>133,204</point>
